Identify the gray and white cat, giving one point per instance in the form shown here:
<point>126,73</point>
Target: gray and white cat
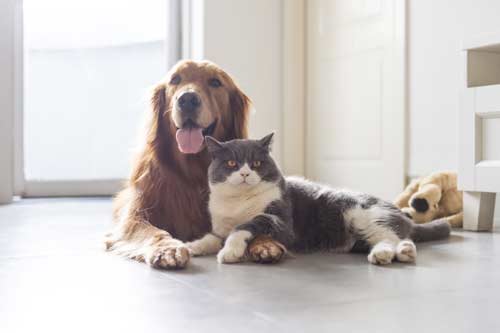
<point>250,197</point>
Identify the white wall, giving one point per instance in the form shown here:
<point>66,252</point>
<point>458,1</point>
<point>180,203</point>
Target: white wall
<point>245,38</point>
<point>436,29</point>
<point>6,98</point>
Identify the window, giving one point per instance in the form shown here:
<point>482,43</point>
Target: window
<point>87,67</point>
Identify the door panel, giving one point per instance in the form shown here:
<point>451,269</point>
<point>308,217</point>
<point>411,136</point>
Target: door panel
<point>355,95</point>
<point>354,134</point>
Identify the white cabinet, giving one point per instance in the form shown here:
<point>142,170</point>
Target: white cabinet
<point>479,132</point>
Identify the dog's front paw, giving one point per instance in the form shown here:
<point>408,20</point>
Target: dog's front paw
<point>264,249</point>
<point>169,257</point>
<point>232,253</point>
<point>194,249</point>
<point>109,241</point>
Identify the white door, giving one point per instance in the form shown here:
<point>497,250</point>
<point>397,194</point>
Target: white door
<point>355,94</point>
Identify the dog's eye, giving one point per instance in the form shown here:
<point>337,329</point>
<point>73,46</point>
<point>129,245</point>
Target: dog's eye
<point>231,163</point>
<point>215,83</point>
<point>176,79</point>
<point>256,164</point>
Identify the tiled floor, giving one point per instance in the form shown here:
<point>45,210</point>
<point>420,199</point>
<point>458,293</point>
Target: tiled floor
<point>55,277</point>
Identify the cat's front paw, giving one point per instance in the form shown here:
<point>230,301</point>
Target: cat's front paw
<point>265,250</point>
<point>232,253</point>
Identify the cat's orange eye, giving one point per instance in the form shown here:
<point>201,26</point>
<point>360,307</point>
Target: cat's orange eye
<point>231,163</point>
<point>256,164</point>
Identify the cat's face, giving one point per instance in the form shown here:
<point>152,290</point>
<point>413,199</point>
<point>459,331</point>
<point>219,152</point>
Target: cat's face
<point>241,163</point>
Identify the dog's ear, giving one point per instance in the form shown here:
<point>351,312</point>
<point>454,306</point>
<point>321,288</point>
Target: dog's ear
<point>213,145</point>
<point>240,106</point>
<point>158,98</point>
<point>159,104</point>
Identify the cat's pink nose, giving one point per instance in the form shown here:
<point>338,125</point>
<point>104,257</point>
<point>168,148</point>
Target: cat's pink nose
<point>244,174</point>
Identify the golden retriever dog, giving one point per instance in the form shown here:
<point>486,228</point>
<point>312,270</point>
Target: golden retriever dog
<point>164,202</point>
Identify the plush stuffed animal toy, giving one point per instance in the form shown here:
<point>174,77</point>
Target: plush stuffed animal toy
<point>432,197</point>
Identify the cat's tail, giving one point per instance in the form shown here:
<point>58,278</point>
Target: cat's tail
<point>434,230</point>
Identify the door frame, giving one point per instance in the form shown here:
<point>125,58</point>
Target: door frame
<point>59,188</point>
<point>7,10</point>
<point>294,86</point>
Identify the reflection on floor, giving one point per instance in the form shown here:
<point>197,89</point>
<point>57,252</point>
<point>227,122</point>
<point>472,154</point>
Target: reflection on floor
<point>54,276</point>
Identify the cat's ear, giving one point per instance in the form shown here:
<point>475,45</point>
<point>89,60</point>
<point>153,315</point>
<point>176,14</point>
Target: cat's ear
<point>267,141</point>
<point>213,145</point>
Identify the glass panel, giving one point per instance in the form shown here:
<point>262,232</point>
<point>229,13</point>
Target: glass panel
<point>88,65</point>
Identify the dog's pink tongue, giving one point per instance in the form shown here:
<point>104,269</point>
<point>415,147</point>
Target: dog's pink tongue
<point>189,140</point>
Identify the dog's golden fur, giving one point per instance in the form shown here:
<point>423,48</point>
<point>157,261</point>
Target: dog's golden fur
<point>164,202</point>
<point>440,197</point>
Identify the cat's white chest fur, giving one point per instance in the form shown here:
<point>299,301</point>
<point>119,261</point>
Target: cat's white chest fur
<point>230,207</point>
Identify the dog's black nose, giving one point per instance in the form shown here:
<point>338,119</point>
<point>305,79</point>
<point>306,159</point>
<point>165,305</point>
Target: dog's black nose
<point>421,205</point>
<point>189,101</point>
